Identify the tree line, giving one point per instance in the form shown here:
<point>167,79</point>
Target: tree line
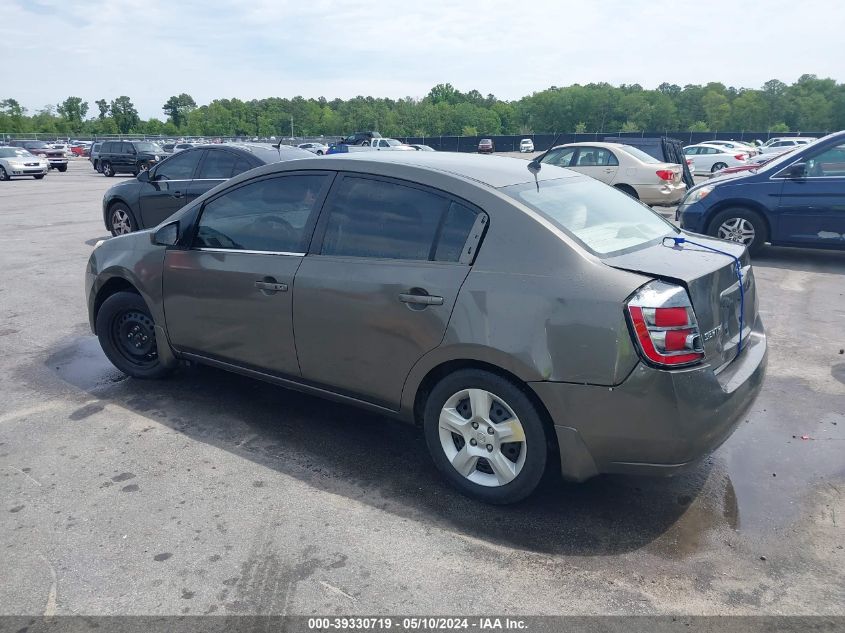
<point>810,104</point>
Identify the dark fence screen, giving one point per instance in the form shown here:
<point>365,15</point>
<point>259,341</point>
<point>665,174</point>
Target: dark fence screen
<point>542,142</point>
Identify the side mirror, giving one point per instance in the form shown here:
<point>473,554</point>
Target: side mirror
<point>797,170</point>
<point>167,235</point>
<point>144,176</point>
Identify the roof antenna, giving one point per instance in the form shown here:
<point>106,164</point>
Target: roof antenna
<point>535,165</point>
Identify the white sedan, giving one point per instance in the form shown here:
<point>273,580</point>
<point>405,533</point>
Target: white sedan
<point>710,158</point>
<point>739,146</point>
<point>627,168</point>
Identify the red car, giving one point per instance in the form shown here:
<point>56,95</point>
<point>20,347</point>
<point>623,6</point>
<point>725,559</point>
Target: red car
<point>486,146</point>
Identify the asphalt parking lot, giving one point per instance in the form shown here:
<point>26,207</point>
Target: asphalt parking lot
<point>212,493</point>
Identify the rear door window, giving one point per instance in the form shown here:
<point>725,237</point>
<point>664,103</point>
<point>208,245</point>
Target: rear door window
<point>218,165</point>
<point>381,219</point>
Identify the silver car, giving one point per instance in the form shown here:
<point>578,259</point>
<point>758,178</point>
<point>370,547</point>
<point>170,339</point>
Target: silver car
<point>16,161</point>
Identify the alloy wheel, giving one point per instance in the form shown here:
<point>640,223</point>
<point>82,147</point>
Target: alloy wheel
<point>121,223</point>
<point>482,438</point>
<point>3,174</point>
<point>737,230</point>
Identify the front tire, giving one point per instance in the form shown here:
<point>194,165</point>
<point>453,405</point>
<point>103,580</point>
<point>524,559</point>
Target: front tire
<point>127,335</point>
<point>3,175</point>
<point>740,225</point>
<point>40,176</point>
<point>121,221</point>
<point>717,167</point>
<point>485,436</point>
<point>62,168</point>
<point>108,170</point>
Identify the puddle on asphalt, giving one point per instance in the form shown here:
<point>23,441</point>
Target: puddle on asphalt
<point>83,364</point>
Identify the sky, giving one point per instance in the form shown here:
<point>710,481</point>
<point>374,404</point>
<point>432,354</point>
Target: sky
<point>150,50</point>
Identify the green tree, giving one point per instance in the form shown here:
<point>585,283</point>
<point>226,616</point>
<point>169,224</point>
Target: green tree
<point>178,107</point>
<point>73,110</point>
<point>103,107</point>
<point>717,109</point>
<point>124,114</point>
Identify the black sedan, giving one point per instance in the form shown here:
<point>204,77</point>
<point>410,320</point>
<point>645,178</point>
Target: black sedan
<point>154,195</point>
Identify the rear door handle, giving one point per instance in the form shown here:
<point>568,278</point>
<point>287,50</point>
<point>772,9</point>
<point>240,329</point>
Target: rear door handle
<point>426,300</point>
<point>272,286</point>
<point>177,194</point>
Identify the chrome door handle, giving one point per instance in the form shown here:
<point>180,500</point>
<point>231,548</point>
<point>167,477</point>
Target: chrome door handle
<point>272,286</point>
<point>426,300</point>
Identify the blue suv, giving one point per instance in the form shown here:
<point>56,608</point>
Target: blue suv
<point>797,199</point>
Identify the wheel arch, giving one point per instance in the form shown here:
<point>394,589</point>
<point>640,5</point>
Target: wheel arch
<point>110,287</point>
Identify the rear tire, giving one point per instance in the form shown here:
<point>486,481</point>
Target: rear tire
<point>127,335</point>
<point>717,167</point>
<point>740,225</point>
<point>499,467</point>
<point>108,170</point>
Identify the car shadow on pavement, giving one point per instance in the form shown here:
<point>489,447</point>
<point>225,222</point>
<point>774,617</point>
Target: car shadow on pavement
<point>384,463</point>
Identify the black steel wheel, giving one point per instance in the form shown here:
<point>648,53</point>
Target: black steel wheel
<point>127,335</point>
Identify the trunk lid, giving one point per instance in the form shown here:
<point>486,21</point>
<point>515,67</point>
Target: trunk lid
<point>711,281</point>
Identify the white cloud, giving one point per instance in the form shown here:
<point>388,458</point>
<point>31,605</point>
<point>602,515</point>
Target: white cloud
<point>341,48</point>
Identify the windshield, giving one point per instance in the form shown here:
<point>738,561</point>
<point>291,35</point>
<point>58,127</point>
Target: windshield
<point>148,147</point>
<point>603,219</point>
<point>38,145</point>
<point>11,152</point>
<point>638,153</point>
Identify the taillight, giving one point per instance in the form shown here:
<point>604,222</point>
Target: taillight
<point>665,174</point>
<point>664,324</point>
<point>740,156</point>
<point>689,161</point>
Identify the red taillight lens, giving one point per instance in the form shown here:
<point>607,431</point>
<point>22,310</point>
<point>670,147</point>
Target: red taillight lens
<point>664,324</point>
<point>665,174</point>
<point>689,161</point>
<point>740,156</point>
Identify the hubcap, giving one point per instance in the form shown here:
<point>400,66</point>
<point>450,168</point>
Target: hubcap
<point>737,230</point>
<point>134,337</point>
<point>120,222</point>
<point>482,437</point>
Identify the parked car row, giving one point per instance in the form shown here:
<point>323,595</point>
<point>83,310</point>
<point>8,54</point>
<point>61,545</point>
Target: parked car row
<point>796,199</point>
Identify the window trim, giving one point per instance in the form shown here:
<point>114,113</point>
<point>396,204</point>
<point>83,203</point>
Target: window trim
<point>594,148</point>
<point>310,226</point>
<point>474,239</point>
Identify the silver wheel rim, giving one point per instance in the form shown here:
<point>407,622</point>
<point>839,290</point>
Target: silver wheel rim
<point>737,230</point>
<point>2,173</point>
<point>106,168</point>
<point>482,438</point>
<point>120,223</point>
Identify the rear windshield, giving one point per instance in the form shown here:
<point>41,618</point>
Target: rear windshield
<point>603,219</point>
<point>638,153</point>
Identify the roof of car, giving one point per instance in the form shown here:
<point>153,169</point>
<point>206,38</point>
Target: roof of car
<point>494,171</point>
